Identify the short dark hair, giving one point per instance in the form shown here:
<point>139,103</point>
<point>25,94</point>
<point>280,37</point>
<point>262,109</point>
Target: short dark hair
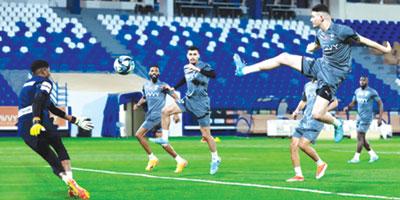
<point>365,77</point>
<point>37,64</point>
<point>192,48</point>
<point>154,66</point>
<point>320,8</point>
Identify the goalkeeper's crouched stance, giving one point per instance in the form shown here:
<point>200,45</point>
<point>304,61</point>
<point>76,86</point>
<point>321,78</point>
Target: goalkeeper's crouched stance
<point>37,129</point>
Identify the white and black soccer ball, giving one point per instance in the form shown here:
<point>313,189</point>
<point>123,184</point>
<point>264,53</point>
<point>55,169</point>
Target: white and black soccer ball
<point>124,65</point>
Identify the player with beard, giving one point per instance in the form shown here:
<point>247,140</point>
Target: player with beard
<point>365,97</point>
<point>155,93</point>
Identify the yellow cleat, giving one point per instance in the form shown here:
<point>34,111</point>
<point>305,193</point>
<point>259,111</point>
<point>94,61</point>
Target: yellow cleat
<point>180,166</point>
<point>77,190</point>
<point>151,164</point>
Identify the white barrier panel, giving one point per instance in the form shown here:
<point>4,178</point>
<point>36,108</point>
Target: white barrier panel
<point>286,128</point>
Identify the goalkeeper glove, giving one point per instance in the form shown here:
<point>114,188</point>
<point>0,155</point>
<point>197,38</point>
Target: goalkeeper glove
<point>36,127</point>
<point>82,122</point>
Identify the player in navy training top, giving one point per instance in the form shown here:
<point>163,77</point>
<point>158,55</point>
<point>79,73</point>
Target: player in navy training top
<point>330,70</point>
<point>37,129</point>
<point>365,97</point>
<point>154,94</point>
<point>196,101</point>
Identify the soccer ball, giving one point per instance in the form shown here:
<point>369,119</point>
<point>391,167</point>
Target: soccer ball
<point>124,65</point>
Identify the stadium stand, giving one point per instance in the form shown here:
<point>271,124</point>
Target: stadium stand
<point>62,41</point>
<point>162,40</point>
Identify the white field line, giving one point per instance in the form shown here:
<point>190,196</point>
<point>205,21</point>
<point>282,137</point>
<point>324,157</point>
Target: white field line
<point>379,152</point>
<point>238,184</point>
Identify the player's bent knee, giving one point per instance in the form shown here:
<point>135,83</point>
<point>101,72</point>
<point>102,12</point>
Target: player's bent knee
<point>317,115</point>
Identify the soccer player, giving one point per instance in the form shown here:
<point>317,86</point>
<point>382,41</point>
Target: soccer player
<point>307,132</point>
<point>365,97</point>
<point>196,101</point>
<point>154,93</point>
<point>330,70</point>
<point>37,129</point>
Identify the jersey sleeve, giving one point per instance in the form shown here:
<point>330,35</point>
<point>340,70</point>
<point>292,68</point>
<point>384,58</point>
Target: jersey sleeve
<point>207,67</point>
<point>316,41</point>
<point>355,96</point>
<point>376,96</point>
<point>45,86</point>
<point>348,34</point>
<point>143,92</point>
<point>304,97</point>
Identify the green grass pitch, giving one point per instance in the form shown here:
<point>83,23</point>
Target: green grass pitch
<point>258,161</point>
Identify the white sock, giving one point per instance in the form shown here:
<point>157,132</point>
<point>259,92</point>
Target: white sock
<point>336,123</point>
<point>319,162</point>
<point>65,178</point>
<point>298,171</point>
<point>249,69</point>
<point>178,159</point>
<point>357,156</point>
<point>152,156</point>
<point>214,156</point>
<point>69,174</point>
<point>372,153</point>
<point>165,134</point>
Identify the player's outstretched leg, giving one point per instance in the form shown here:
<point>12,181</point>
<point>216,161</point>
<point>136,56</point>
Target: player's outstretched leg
<point>180,162</point>
<point>294,153</point>
<point>293,61</point>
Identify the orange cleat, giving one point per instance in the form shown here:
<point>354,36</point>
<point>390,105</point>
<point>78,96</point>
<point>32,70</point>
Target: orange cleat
<point>321,170</point>
<point>180,166</point>
<point>295,179</point>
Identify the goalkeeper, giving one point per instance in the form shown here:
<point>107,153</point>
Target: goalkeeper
<point>37,129</point>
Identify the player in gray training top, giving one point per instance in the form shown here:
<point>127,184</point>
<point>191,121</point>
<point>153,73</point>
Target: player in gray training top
<point>307,132</point>
<point>330,70</point>
<point>196,101</point>
<point>365,97</point>
<point>154,93</point>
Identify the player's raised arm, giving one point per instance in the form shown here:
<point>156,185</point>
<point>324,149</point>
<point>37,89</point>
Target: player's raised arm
<point>375,45</point>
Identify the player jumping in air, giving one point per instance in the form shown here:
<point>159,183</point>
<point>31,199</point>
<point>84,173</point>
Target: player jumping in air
<point>155,93</point>
<point>37,129</point>
<point>330,70</point>
<point>307,132</point>
<point>365,97</point>
<point>196,101</point>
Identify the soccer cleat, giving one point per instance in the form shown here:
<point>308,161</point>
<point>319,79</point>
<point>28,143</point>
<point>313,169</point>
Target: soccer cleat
<point>339,131</point>
<point>373,159</point>
<point>321,170</point>
<point>151,164</point>
<point>78,190</point>
<point>353,161</point>
<point>215,166</point>
<point>180,166</point>
<point>295,179</point>
<point>158,140</point>
<point>239,65</point>
<point>72,194</point>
